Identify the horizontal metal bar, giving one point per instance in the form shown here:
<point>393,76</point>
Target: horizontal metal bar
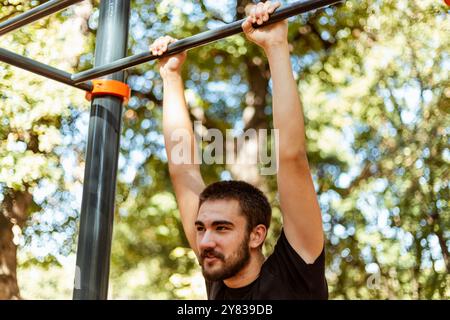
<point>41,69</point>
<point>34,14</point>
<point>200,39</point>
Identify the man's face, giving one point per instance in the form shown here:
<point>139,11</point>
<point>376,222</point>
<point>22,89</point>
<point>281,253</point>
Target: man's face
<point>222,239</point>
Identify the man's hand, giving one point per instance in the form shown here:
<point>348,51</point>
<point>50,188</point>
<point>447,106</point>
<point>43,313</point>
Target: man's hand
<point>170,64</point>
<point>268,36</point>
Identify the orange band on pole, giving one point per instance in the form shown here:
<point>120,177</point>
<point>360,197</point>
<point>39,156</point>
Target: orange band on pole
<point>109,87</point>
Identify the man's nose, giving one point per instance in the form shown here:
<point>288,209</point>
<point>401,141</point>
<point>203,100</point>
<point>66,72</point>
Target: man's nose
<point>207,241</point>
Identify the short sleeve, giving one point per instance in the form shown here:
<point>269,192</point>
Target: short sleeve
<point>309,279</point>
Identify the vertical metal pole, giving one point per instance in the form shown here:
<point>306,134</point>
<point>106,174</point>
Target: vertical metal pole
<point>97,207</point>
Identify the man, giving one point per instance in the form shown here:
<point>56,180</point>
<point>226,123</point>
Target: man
<point>226,223</point>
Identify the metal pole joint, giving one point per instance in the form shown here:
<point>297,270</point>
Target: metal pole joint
<point>103,87</point>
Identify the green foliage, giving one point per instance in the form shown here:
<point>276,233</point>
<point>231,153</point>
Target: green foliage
<point>374,83</point>
<point>34,112</point>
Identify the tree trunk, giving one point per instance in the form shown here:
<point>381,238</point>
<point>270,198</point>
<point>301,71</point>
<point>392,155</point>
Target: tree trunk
<point>9,288</point>
<point>13,211</point>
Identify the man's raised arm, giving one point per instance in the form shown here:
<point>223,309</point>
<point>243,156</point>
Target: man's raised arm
<point>302,221</point>
<point>177,127</point>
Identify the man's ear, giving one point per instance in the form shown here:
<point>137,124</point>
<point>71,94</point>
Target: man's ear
<point>257,236</point>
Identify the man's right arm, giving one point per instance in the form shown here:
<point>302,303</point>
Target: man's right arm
<point>185,176</point>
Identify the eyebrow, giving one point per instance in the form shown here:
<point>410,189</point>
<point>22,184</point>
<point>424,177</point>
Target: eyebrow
<point>215,223</point>
<point>199,223</point>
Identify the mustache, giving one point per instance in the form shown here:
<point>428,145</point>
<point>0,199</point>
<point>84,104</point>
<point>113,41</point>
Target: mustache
<point>208,253</point>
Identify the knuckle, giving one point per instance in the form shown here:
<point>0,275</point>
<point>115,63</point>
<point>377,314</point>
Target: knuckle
<point>248,8</point>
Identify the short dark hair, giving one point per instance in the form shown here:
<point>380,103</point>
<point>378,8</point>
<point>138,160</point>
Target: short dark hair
<point>253,203</point>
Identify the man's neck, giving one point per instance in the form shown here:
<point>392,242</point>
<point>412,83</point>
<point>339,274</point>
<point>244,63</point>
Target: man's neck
<point>248,274</point>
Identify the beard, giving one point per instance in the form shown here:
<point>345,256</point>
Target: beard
<point>231,266</point>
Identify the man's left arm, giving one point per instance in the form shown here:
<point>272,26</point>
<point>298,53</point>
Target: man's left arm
<point>302,220</point>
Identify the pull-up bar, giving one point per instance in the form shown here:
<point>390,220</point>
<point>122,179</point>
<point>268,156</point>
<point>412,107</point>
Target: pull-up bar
<point>35,14</point>
<point>75,80</point>
<point>41,69</point>
<point>201,39</point>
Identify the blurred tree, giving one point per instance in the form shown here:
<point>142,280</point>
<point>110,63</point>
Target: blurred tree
<point>32,113</point>
<point>374,84</point>
<point>390,77</point>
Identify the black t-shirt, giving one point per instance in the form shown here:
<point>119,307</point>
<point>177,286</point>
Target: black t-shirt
<point>284,276</point>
